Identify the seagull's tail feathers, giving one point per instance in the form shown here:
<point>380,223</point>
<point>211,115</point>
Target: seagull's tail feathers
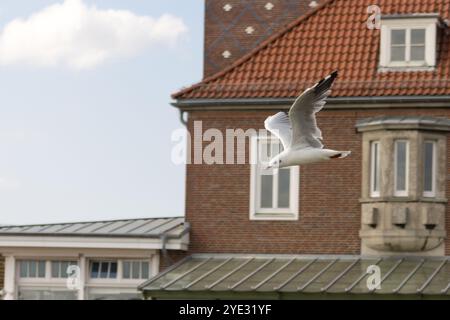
<point>340,154</point>
<point>344,154</point>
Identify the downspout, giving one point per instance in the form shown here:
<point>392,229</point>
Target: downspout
<point>182,119</point>
<point>165,237</point>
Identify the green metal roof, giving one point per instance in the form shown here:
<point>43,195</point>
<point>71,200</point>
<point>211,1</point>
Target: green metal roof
<point>172,227</point>
<point>276,276</point>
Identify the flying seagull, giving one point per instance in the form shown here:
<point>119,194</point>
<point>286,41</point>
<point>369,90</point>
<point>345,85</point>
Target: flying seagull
<point>298,131</point>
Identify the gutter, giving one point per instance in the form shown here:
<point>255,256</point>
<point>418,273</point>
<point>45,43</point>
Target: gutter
<point>338,102</point>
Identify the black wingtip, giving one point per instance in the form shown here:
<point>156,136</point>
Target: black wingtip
<point>334,74</point>
<point>326,82</point>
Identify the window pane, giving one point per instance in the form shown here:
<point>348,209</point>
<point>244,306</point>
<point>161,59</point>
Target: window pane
<point>135,272</point>
<point>284,179</point>
<point>401,158</point>
<point>398,36</point>
<point>266,191</point>
<point>55,269</point>
<point>113,270</point>
<point>418,36</point>
<point>428,167</point>
<point>145,273</point>
<point>418,53</point>
<point>64,267</point>
<point>375,182</point>
<point>32,269</point>
<point>95,270</point>
<point>397,53</point>
<point>126,270</point>
<point>104,270</point>
<point>23,269</point>
<point>41,269</point>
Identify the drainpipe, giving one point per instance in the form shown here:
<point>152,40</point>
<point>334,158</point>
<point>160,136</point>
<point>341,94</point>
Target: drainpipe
<point>182,119</point>
<point>165,237</point>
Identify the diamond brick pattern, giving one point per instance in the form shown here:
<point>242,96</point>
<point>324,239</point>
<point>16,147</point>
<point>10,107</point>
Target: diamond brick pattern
<point>226,22</point>
<point>332,36</point>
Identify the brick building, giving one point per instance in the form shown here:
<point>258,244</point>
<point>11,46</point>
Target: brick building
<point>323,230</point>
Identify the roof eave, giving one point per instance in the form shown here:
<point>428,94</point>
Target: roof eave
<point>333,102</point>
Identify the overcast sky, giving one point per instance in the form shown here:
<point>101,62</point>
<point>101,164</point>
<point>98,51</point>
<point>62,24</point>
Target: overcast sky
<point>85,120</point>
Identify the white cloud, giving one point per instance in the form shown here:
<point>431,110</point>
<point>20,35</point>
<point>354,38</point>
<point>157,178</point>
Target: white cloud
<point>79,36</point>
<point>9,184</point>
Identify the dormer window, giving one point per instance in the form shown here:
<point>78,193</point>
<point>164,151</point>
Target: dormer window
<point>408,42</point>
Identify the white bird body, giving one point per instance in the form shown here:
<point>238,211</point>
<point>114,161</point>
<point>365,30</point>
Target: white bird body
<point>299,156</point>
<point>298,131</point>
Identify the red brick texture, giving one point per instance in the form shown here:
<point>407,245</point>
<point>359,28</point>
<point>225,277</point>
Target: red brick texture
<point>171,258</point>
<point>332,37</point>
<point>217,204</point>
<point>225,30</point>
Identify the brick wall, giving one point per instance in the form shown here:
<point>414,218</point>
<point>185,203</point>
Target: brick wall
<point>226,30</point>
<point>217,204</point>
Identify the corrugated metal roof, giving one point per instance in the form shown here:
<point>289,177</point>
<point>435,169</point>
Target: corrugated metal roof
<point>144,228</point>
<point>259,274</point>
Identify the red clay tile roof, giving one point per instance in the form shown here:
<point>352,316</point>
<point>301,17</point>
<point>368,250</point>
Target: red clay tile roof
<point>332,37</point>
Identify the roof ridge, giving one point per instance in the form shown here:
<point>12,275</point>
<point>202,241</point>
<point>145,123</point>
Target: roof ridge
<point>85,222</point>
<point>253,52</point>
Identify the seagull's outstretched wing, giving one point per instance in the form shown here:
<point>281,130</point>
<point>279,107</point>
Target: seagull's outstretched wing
<point>302,114</point>
<point>280,126</point>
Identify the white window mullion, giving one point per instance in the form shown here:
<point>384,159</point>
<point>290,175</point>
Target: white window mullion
<point>408,45</point>
<point>275,188</point>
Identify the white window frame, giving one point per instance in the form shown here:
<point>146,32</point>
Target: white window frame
<point>37,261</point>
<point>375,193</point>
<point>131,261</point>
<point>60,261</point>
<point>432,193</point>
<point>56,284</point>
<point>408,24</point>
<point>258,213</point>
<point>401,193</point>
<point>101,261</point>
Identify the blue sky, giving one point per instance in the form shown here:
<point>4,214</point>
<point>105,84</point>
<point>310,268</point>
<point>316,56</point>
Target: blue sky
<point>92,140</point>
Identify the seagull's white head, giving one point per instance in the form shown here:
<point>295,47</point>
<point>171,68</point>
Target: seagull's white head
<point>276,162</point>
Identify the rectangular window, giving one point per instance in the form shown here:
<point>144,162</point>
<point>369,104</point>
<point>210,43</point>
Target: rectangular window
<point>375,169</point>
<point>408,45</point>
<point>429,169</point>
<point>32,268</point>
<point>103,270</point>
<point>274,192</point>
<point>60,268</point>
<point>135,270</point>
<point>408,42</point>
<point>401,168</point>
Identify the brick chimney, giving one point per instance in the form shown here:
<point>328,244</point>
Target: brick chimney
<point>235,27</point>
